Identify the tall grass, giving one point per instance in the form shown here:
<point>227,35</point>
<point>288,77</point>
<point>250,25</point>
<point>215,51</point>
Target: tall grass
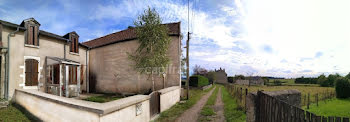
<point>231,111</point>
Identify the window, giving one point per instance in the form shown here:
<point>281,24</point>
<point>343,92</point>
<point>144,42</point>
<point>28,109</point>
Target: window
<point>32,35</point>
<point>74,47</point>
<point>31,72</point>
<point>73,74</point>
<point>54,72</point>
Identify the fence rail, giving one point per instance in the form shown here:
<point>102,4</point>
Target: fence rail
<point>271,109</point>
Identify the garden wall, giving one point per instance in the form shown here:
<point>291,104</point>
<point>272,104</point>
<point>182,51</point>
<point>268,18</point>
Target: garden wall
<point>169,97</point>
<point>53,108</point>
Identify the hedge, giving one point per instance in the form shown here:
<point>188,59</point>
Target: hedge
<point>342,88</point>
<point>198,81</point>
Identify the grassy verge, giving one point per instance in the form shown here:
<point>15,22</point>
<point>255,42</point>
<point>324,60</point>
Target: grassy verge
<point>231,111</point>
<point>176,110</point>
<point>313,90</point>
<point>102,99</point>
<point>207,110</point>
<point>16,113</point>
<point>334,107</point>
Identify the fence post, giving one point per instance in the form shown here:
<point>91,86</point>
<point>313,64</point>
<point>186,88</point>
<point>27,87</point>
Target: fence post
<point>308,100</point>
<point>305,100</point>
<point>316,99</point>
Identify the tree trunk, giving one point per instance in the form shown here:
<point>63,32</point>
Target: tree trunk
<point>152,80</point>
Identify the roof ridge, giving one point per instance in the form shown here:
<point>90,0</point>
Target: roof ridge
<point>126,30</point>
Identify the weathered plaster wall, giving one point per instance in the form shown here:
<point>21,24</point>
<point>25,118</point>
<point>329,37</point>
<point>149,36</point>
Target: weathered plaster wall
<point>111,70</point>
<point>169,97</point>
<point>47,47</point>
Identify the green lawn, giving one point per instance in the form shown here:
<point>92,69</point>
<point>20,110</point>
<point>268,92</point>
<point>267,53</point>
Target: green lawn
<point>334,107</point>
<point>207,110</point>
<point>176,110</point>
<point>103,98</point>
<point>231,111</point>
<point>16,113</point>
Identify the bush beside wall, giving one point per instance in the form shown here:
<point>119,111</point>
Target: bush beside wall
<point>198,81</point>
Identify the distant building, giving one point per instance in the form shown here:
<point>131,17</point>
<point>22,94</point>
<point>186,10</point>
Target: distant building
<point>220,76</point>
<point>254,80</point>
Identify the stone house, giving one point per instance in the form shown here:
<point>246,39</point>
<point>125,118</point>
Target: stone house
<point>253,80</point>
<point>220,76</point>
<point>111,69</point>
<point>31,58</point>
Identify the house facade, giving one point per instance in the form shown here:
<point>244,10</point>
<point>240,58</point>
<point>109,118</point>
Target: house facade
<point>111,70</point>
<point>36,59</point>
<point>220,76</point>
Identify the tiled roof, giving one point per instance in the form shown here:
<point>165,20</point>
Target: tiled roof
<point>125,35</point>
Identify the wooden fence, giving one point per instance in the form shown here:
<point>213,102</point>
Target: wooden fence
<point>240,93</point>
<point>271,109</point>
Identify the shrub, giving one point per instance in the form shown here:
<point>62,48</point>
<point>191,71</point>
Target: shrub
<point>277,83</point>
<point>230,79</point>
<point>198,81</point>
<point>342,88</point>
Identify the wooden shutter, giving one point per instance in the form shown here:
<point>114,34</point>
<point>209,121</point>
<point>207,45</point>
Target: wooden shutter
<point>81,74</point>
<point>0,34</point>
<point>70,75</point>
<point>30,35</point>
<point>71,45</point>
<point>76,45</point>
<point>36,35</point>
<point>28,72</point>
<point>35,72</point>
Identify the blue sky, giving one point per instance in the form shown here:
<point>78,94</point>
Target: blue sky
<point>250,37</point>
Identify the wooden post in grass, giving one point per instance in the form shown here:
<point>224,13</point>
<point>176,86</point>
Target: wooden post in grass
<point>305,100</point>
<point>316,99</point>
<point>308,100</point>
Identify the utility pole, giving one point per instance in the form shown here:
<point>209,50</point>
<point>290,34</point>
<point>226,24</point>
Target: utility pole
<point>187,65</point>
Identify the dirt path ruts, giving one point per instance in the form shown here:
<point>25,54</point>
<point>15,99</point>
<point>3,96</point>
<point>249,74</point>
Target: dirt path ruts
<point>219,108</point>
<point>191,115</point>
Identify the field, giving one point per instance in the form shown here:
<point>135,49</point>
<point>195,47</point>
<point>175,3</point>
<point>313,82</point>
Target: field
<point>290,82</point>
<point>313,90</point>
<point>334,107</point>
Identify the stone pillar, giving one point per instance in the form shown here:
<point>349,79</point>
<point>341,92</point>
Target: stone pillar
<point>78,80</point>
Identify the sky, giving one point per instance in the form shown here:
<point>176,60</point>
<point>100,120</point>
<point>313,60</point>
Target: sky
<point>283,38</point>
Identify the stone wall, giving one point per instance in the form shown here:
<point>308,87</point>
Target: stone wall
<point>292,97</point>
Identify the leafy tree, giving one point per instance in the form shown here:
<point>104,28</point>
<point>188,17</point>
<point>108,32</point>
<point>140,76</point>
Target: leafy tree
<point>211,76</point>
<point>151,55</point>
<point>342,87</point>
<point>322,80</point>
<point>198,70</point>
<point>348,76</point>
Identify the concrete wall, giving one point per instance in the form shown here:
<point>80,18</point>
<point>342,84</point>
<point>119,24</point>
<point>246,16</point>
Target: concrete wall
<point>53,108</point>
<point>48,46</point>
<point>292,97</point>
<point>111,70</point>
<point>169,97</point>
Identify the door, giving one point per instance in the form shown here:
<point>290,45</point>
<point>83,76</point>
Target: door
<point>154,103</point>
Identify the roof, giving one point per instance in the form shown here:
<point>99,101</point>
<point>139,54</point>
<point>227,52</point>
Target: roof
<point>42,32</point>
<point>127,35</point>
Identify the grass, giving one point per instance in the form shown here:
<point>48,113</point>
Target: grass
<point>176,110</point>
<point>313,90</point>
<point>231,111</point>
<point>207,110</point>
<point>16,113</point>
<point>334,107</point>
<point>103,98</point>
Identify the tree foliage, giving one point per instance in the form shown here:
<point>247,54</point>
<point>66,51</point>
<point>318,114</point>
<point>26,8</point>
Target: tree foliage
<point>342,88</point>
<point>151,55</point>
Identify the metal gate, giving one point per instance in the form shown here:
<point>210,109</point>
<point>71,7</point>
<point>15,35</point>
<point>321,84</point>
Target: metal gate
<point>154,103</point>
